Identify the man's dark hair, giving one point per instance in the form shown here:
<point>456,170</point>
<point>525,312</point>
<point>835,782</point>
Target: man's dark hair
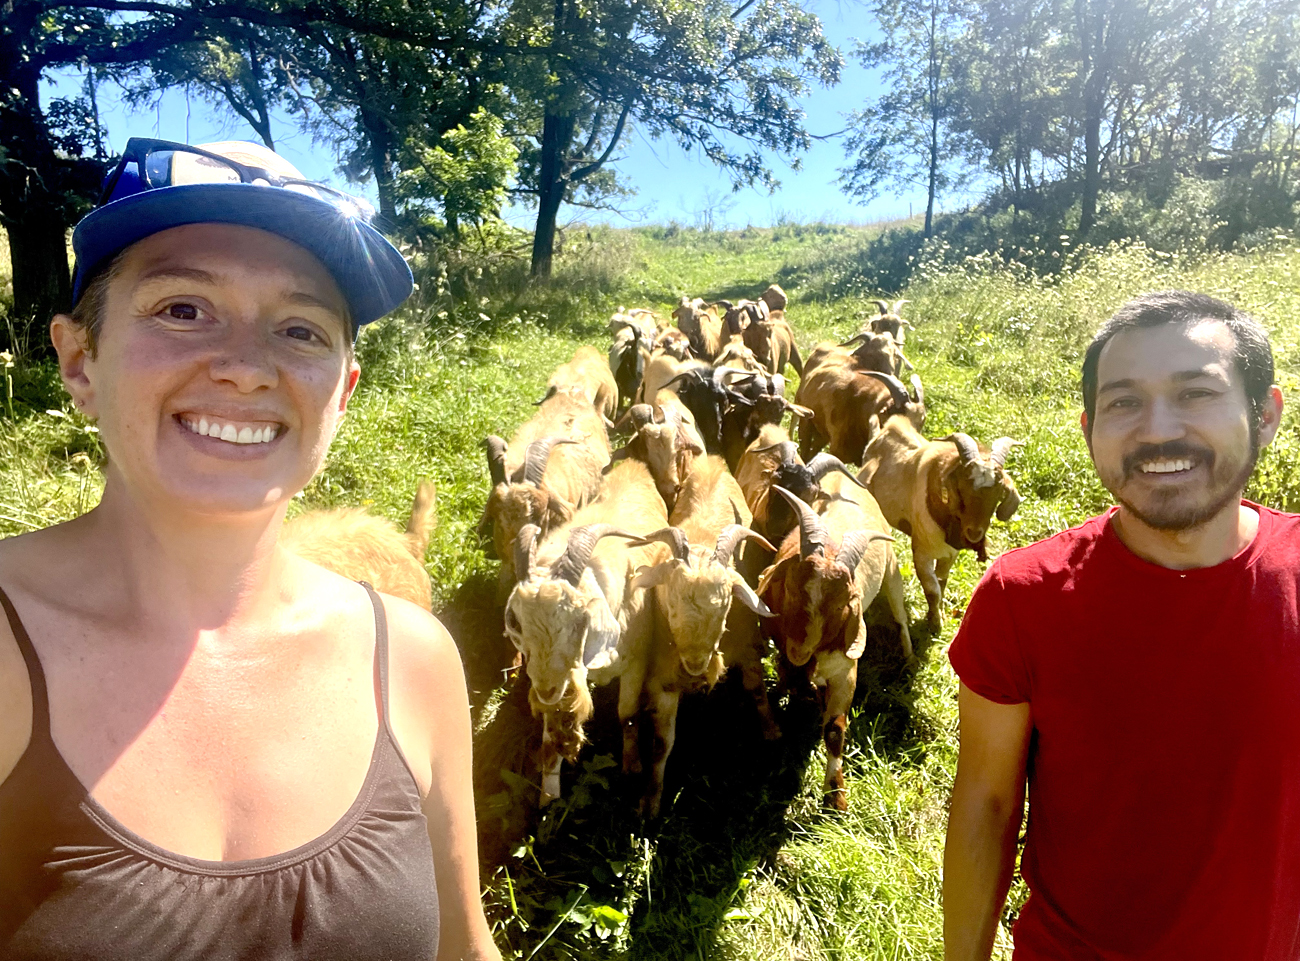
<point>1251,353</point>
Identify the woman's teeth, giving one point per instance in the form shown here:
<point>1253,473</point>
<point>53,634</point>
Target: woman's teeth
<point>1166,466</point>
<point>231,433</point>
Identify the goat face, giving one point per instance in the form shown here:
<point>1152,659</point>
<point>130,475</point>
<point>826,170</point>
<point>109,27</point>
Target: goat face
<point>974,490</point>
<point>818,606</point>
<point>512,506</point>
<point>563,631</point>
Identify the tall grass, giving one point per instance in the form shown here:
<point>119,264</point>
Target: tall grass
<point>743,865</point>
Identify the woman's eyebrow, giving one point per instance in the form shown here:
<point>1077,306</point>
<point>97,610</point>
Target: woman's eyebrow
<point>175,272</point>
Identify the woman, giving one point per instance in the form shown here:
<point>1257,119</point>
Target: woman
<point>208,747</point>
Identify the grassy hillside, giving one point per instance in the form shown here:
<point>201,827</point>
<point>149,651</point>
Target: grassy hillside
<point>742,865</point>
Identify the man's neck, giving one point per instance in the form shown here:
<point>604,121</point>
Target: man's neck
<point>1221,537</point>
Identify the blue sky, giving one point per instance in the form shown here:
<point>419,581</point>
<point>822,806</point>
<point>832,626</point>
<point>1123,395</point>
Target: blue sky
<point>670,184</point>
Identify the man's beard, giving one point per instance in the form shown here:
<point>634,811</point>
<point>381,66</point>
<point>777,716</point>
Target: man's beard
<point>1172,515</point>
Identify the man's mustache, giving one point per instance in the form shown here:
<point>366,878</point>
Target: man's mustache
<point>1170,450</point>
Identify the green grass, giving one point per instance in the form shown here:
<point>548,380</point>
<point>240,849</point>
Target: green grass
<point>743,865</point>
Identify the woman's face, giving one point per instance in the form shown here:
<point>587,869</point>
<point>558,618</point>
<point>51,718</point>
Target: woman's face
<point>222,368</point>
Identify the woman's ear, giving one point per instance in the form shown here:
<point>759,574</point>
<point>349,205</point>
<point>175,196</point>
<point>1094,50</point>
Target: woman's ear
<point>72,344</point>
<point>349,385</point>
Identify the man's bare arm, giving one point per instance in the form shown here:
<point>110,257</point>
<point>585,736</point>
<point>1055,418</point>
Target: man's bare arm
<point>987,803</point>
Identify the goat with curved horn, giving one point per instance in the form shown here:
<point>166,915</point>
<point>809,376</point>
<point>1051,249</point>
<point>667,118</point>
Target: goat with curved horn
<point>859,338</point>
<point>1001,447</point>
<point>674,537</point>
<point>496,458</point>
<point>525,551</point>
<point>639,415</point>
<point>787,450</point>
<point>898,305</point>
<point>896,389</point>
<point>730,539</point>
<point>854,544</point>
<point>537,454</point>
<point>577,552</point>
<point>813,536</point>
<point>883,305</point>
<point>725,376</point>
<point>966,446</point>
<point>824,463</point>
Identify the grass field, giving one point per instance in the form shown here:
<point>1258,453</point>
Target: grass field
<point>743,864</point>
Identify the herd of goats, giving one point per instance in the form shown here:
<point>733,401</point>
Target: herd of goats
<point>711,535</point>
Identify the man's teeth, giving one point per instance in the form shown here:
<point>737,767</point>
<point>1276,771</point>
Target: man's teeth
<point>1166,466</point>
<point>231,433</point>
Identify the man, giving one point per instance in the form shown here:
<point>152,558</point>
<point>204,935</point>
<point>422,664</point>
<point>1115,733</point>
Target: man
<point>1143,671</point>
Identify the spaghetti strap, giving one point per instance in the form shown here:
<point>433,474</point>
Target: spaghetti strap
<point>35,673</point>
<point>381,650</point>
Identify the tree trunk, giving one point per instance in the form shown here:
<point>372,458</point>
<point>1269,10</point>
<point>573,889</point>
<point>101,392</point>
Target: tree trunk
<point>38,252</point>
<point>1092,39</point>
<point>557,132</point>
<point>934,177</point>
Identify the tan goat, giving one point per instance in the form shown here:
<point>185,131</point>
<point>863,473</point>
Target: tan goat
<point>589,375</point>
<point>577,616</point>
<point>699,632</point>
<point>362,547</point>
<point>702,324</point>
<point>551,467</point>
<point>772,341</point>
<point>666,441</point>
<point>942,493</point>
<point>826,574</point>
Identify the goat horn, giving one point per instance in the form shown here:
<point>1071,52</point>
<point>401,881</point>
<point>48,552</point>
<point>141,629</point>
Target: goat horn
<point>896,389</point>
<point>898,305</point>
<point>917,389</point>
<point>966,446</point>
<point>860,338</point>
<point>525,551</point>
<point>813,536</point>
<point>496,458</point>
<point>788,449</point>
<point>776,383</point>
<point>854,544</point>
<point>674,537</point>
<point>721,374</point>
<point>1001,447</point>
<point>685,373</point>
<point>577,552</point>
<point>730,537</point>
<point>883,305</point>
<point>536,456</point>
<point>824,463</point>
<point>639,415</point>
<point>550,392</point>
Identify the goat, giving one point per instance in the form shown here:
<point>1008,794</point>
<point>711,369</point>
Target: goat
<point>674,343</point>
<point>587,375</point>
<point>825,576</point>
<point>660,370</point>
<point>701,323</point>
<point>627,358</point>
<point>942,493</point>
<point>551,467</point>
<point>848,407</point>
<point>666,441</point>
<point>735,354</point>
<point>749,410</point>
<point>699,632</point>
<point>577,615</point>
<point>772,460</point>
<point>741,315</point>
<point>774,297</point>
<point>362,547</point>
<point>706,393</point>
<point>877,351</point>
<point>772,341</point>
<point>889,322</point>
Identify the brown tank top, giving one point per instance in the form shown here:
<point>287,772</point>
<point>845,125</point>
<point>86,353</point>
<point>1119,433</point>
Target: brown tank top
<point>76,884</point>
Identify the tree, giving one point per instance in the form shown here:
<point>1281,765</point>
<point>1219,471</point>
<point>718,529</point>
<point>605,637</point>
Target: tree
<point>717,77</point>
<point>905,137</point>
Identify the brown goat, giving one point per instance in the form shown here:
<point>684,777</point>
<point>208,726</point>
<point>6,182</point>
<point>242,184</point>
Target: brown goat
<point>826,574</point>
<point>849,406</point>
<point>774,297</point>
<point>362,547</point>
<point>889,322</point>
<point>741,315</point>
<point>942,493</point>
<point>772,341</point>
<point>699,631</point>
<point>702,324</point>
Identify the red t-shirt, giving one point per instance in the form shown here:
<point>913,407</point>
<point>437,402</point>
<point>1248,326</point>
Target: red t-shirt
<point>1164,769</point>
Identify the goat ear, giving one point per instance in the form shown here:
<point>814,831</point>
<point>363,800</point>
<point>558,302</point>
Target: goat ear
<point>1010,500</point>
<point>745,594</point>
<point>651,576</point>
<point>559,509</point>
<point>600,647</point>
<point>855,636</point>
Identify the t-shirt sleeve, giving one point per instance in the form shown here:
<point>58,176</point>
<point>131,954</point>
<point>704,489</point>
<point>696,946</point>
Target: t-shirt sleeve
<point>986,652</point>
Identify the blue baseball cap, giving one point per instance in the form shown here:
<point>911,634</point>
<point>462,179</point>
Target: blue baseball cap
<point>159,185</point>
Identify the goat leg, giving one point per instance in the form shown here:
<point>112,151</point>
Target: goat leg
<point>550,758</point>
<point>839,696</point>
<point>933,590</point>
<point>663,711</point>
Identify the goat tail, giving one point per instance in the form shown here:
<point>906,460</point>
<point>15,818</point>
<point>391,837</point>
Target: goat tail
<point>424,518</point>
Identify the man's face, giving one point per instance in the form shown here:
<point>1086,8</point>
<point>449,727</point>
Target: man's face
<point>228,330</point>
<point>1171,436</point>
